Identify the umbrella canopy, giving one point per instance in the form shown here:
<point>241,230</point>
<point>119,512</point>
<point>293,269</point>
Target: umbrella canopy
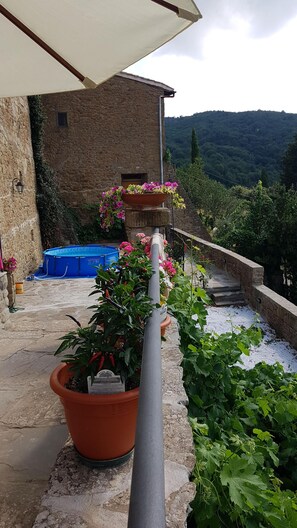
<point>61,45</point>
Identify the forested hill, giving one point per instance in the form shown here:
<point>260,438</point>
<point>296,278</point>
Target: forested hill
<point>235,147</point>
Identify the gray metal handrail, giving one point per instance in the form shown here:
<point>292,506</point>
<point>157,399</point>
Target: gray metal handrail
<point>147,500</point>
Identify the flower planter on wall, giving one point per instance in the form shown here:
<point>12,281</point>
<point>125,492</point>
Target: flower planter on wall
<point>144,200</point>
<point>102,426</point>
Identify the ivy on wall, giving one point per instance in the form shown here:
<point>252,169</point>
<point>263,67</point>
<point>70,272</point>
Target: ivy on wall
<point>57,222</point>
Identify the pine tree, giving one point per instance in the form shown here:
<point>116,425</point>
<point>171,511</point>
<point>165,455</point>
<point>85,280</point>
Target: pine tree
<point>289,165</point>
<point>264,178</point>
<point>195,154</point>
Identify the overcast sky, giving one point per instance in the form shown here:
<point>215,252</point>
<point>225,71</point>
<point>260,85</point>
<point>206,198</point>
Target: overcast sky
<point>240,56</point>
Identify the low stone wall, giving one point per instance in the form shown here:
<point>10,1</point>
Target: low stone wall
<point>280,313</point>
<point>4,313</point>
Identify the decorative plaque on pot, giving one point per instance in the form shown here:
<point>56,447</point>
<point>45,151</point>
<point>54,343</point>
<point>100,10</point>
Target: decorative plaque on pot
<point>105,382</point>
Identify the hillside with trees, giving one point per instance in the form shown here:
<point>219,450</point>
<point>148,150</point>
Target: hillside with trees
<point>259,223</point>
<point>236,148</point>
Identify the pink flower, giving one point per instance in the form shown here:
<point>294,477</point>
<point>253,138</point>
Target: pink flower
<point>147,249</point>
<point>9,264</point>
<point>128,249</point>
<point>171,185</point>
<point>168,266</point>
<point>140,235</point>
<point>146,241</point>
<point>124,244</point>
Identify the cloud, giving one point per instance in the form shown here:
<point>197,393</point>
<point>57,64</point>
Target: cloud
<point>238,57</point>
<point>261,18</point>
<point>265,17</point>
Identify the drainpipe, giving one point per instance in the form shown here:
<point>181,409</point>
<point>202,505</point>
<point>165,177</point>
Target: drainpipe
<point>161,97</point>
<point>167,93</point>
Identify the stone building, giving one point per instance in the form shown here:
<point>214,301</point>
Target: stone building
<point>95,139</point>
<point>19,222</point>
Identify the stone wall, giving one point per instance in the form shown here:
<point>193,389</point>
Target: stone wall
<point>19,222</point>
<point>111,130</point>
<point>280,313</point>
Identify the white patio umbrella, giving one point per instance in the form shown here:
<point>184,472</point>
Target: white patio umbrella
<point>61,45</point>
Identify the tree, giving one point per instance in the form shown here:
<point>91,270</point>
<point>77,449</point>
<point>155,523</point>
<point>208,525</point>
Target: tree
<point>264,229</point>
<point>289,165</point>
<point>211,199</point>
<point>264,178</point>
<point>195,154</point>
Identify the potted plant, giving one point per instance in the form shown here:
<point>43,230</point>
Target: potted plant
<point>10,265</point>
<point>152,194</point>
<point>111,204</point>
<point>102,426</point>
<point>139,253</point>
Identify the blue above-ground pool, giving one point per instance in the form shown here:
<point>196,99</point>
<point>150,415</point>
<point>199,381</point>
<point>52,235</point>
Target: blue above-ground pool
<point>77,261</point>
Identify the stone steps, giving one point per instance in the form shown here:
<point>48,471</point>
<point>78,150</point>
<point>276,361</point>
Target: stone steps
<point>223,289</point>
<point>227,297</point>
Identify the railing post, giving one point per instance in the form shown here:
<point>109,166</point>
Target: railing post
<point>147,500</point>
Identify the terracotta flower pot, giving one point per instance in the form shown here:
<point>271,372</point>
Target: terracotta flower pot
<point>144,200</point>
<point>164,325</point>
<point>163,312</point>
<point>102,426</point>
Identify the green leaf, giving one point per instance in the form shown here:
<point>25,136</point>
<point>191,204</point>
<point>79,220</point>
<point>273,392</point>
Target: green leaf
<point>263,435</point>
<point>128,355</point>
<point>264,405</point>
<point>243,349</point>
<point>243,483</point>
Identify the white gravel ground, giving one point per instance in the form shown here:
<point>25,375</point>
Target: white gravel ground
<point>271,349</point>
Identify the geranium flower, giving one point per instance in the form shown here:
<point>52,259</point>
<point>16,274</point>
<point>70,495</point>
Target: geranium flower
<point>9,264</point>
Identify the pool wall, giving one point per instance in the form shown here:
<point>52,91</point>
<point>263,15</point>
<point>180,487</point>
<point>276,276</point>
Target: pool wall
<point>78,261</point>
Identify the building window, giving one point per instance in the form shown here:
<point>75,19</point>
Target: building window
<point>136,179</point>
<point>62,119</point>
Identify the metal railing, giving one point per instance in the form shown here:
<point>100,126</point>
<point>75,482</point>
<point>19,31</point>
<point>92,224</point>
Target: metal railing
<point>147,499</point>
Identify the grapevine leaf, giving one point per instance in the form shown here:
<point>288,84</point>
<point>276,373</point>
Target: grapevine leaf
<point>244,484</point>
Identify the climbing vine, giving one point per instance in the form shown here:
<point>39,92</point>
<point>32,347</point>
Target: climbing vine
<point>57,222</point>
<point>243,421</point>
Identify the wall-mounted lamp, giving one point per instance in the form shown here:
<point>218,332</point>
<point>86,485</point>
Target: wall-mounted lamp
<point>17,184</point>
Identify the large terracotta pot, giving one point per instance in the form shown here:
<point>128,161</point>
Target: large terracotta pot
<point>144,200</point>
<point>102,426</point>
